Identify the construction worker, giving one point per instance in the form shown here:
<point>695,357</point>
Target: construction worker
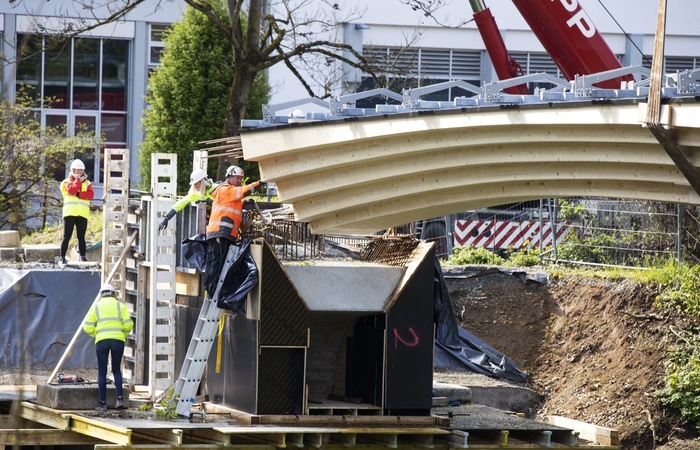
<point>108,321</point>
<point>224,222</point>
<point>200,189</point>
<point>77,192</point>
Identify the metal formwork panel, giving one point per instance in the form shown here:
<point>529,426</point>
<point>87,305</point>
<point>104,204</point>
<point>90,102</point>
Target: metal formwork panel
<point>115,235</point>
<point>162,276</point>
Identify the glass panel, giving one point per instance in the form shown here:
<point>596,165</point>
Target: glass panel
<point>57,165</point>
<point>86,73</point>
<point>155,54</point>
<point>113,126</point>
<point>29,66</point>
<point>114,74</point>
<point>56,120</point>
<point>84,124</point>
<point>157,32</point>
<point>57,73</point>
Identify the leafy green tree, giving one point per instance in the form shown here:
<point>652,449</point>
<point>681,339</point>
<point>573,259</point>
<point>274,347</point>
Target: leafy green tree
<point>189,93</point>
<point>32,164</point>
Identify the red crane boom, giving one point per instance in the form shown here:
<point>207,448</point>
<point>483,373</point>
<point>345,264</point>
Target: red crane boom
<point>566,33</point>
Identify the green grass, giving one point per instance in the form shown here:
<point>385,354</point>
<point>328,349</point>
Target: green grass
<point>54,235</point>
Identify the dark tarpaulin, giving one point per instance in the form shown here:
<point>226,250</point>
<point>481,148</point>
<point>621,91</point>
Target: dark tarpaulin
<point>40,315</point>
<point>241,277</point>
<point>456,348</point>
<point>194,250</point>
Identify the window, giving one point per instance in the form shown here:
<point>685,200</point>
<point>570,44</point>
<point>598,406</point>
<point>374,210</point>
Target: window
<point>426,63</point>
<point>411,68</point>
<point>155,42</point>
<point>86,74</point>
<point>81,85</point>
<point>673,64</point>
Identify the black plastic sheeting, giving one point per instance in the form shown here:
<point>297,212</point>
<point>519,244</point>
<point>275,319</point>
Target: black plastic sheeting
<point>240,278</point>
<point>40,311</point>
<point>456,348</point>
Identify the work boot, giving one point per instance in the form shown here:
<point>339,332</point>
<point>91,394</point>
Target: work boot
<point>62,261</point>
<point>83,259</point>
<point>119,404</point>
<point>102,406</point>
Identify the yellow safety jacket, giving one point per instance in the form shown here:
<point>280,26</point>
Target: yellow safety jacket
<point>192,198</point>
<point>227,210</point>
<point>77,204</point>
<point>108,319</point>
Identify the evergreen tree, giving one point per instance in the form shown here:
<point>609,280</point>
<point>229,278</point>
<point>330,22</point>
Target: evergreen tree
<point>189,92</point>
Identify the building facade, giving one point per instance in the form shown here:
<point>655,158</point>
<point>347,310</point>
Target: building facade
<point>447,45</point>
<point>97,81</point>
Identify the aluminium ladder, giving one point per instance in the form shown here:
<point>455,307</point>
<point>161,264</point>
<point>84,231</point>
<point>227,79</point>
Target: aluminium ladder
<point>200,345</point>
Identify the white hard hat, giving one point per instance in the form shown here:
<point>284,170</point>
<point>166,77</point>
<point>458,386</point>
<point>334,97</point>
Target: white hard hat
<point>107,288</point>
<point>77,164</point>
<point>197,175</point>
<point>234,171</point>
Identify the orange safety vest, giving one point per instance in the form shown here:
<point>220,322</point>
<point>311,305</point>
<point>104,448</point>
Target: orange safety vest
<point>227,210</point>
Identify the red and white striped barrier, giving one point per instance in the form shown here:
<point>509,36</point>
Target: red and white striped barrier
<point>504,234</point>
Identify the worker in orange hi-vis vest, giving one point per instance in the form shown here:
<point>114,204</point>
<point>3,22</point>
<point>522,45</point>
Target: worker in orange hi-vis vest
<point>224,222</point>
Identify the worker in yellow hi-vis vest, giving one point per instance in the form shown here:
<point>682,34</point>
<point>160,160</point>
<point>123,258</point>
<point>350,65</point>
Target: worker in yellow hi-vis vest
<point>77,192</point>
<point>108,321</point>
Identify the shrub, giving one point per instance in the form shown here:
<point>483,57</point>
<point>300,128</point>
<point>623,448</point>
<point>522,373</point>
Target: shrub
<point>470,255</point>
<point>682,389</point>
<point>524,258</point>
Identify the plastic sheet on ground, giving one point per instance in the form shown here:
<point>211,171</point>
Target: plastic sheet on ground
<point>456,348</point>
<point>40,311</point>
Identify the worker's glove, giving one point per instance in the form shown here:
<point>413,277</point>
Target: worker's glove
<point>83,177</point>
<point>208,182</point>
<point>164,223</point>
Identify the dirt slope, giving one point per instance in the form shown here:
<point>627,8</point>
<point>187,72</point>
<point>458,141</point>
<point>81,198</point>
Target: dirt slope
<point>593,348</point>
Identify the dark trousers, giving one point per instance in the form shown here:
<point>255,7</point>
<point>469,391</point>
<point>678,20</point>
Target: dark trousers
<point>80,224</point>
<point>103,350</point>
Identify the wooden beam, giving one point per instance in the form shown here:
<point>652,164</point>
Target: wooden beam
<point>35,437</point>
<point>653,119</point>
<point>587,431</point>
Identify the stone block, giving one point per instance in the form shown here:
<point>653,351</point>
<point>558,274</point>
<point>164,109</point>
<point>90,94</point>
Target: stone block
<point>76,396</point>
<point>9,254</point>
<point>93,252</point>
<point>452,392</point>
<point>41,253</point>
<point>9,238</point>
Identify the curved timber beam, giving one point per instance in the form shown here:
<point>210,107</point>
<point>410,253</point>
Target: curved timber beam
<point>367,174</point>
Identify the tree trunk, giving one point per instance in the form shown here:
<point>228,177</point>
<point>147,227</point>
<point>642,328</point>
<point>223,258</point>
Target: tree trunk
<point>235,108</point>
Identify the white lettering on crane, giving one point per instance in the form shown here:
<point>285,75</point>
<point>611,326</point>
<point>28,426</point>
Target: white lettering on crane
<point>570,5</point>
<point>580,19</point>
